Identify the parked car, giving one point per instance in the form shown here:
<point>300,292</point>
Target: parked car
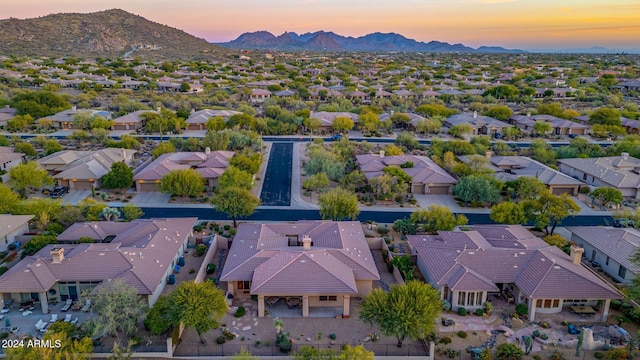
<point>573,136</point>
<point>337,137</point>
<point>58,192</point>
<point>623,223</point>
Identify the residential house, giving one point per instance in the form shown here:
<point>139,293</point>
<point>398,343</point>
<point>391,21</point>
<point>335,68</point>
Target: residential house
<point>64,119</point>
<point>414,119</point>
<point>610,249</point>
<point>510,168</point>
<point>82,170</point>
<point>472,267</point>
<point>132,121</point>
<point>210,164</point>
<point>7,113</point>
<point>197,120</point>
<point>558,126</point>
<point>259,95</point>
<point>317,264</point>
<point>327,118</point>
<point>628,86</point>
<point>12,226</point>
<point>10,159</point>
<point>618,172</point>
<point>426,176</point>
<point>140,253</point>
<point>481,125</point>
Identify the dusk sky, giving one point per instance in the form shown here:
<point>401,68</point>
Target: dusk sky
<point>525,24</point>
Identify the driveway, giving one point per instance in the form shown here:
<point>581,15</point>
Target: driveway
<point>151,198</point>
<point>276,188</point>
<point>75,196</point>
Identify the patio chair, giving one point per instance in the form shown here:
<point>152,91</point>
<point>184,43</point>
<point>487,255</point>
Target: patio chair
<point>44,327</point>
<point>67,318</point>
<point>74,321</point>
<point>54,318</point>
<point>40,324</point>
<point>67,305</point>
<point>87,306</point>
<point>27,312</point>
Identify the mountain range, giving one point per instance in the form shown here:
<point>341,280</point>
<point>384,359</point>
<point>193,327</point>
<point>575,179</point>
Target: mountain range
<point>110,33</point>
<point>330,41</point>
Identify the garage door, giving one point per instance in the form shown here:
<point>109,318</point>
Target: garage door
<point>148,187</point>
<point>120,127</point>
<point>563,190</point>
<point>417,188</point>
<point>81,185</point>
<point>438,190</point>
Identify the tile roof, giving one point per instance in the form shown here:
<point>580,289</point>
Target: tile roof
<point>617,243</point>
<point>326,117</point>
<point>10,223</point>
<point>202,116</point>
<point>475,120</point>
<point>339,256</point>
<point>495,254</point>
<point>424,170</point>
<point>140,254</point>
<point>93,165</point>
<point>211,165</point>
<point>616,171</point>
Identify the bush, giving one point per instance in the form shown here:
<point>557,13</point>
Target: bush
<point>536,333</point>
<point>227,227</point>
<point>544,336</point>
<point>480,312</point>
<point>4,335</point>
<point>615,304</point>
<point>201,249</point>
<point>545,325</point>
<point>383,230</point>
<point>3,254</point>
<point>445,340</point>
<point>197,228</point>
<point>239,312</point>
<point>390,267</point>
<point>221,339</point>
<point>521,309</point>
<point>462,311</point>
<point>211,268</point>
<point>598,355</point>
<point>3,269</point>
<point>332,336</point>
<point>462,334</point>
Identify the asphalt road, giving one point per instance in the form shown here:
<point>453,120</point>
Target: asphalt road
<point>276,188</point>
<point>377,216</point>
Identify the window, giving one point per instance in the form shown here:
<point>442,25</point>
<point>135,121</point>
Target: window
<point>328,298</point>
<point>472,297</point>
<point>622,271</point>
<point>462,298</point>
<point>607,262</point>
<point>584,177</point>
<point>556,303</point>
<point>244,285</point>
<point>479,298</point>
<point>547,303</point>
<point>324,298</point>
<point>539,303</point>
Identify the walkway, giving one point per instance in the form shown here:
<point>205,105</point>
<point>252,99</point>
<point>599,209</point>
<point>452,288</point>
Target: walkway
<point>276,188</point>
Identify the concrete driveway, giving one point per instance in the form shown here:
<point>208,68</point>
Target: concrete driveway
<point>75,196</point>
<point>151,198</point>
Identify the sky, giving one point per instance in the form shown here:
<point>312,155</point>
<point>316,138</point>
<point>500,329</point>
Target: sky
<point>523,24</point>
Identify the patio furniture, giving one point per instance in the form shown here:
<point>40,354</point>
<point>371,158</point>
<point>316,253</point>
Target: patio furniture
<point>27,312</point>
<point>572,329</point>
<point>40,324</point>
<point>67,305</point>
<point>294,302</point>
<point>583,310</point>
<point>67,318</point>
<point>54,318</point>
<point>272,300</point>
<point>87,306</point>
<point>74,321</point>
<point>5,309</point>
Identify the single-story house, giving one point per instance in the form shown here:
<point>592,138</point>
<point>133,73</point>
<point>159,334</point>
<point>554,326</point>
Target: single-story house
<point>327,118</point>
<point>12,226</point>
<point>259,95</point>
<point>64,119</point>
<point>427,177</point>
<point>469,268</point>
<point>619,172</point>
<point>132,121</point>
<point>197,120</point>
<point>82,170</point>
<point>10,159</point>
<point>312,264</point>
<point>481,125</point>
<point>210,164</point>
<point>510,168</point>
<point>609,248</point>
<point>629,85</point>
<point>558,126</point>
<point>7,113</point>
<point>141,253</point>
<point>414,119</point>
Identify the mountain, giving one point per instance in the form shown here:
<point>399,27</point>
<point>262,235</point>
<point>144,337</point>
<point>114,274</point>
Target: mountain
<point>323,40</point>
<point>110,33</point>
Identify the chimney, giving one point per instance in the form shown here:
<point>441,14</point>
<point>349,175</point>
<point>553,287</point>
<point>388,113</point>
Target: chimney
<point>381,153</point>
<point>625,156</point>
<point>576,254</point>
<point>475,114</point>
<point>306,242</point>
<point>73,108</point>
<point>488,154</point>
<point>158,109</point>
<point>207,150</point>
<point>57,255</point>
<point>528,114</point>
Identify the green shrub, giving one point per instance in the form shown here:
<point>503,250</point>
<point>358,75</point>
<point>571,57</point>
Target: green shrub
<point>201,249</point>
<point>227,227</point>
<point>4,335</point>
<point>197,228</point>
<point>544,336</point>
<point>390,267</point>
<point>462,334</point>
<point>536,333</point>
<point>545,325</point>
<point>3,269</point>
<point>462,311</point>
<point>598,355</point>
<point>383,230</point>
<point>211,268</point>
<point>521,309</point>
<point>537,357</point>
<point>221,339</point>
<point>332,336</point>
<point>479,312</point>
<point>445,340</point>
<point>239,312</point>
<point>615,304</point>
